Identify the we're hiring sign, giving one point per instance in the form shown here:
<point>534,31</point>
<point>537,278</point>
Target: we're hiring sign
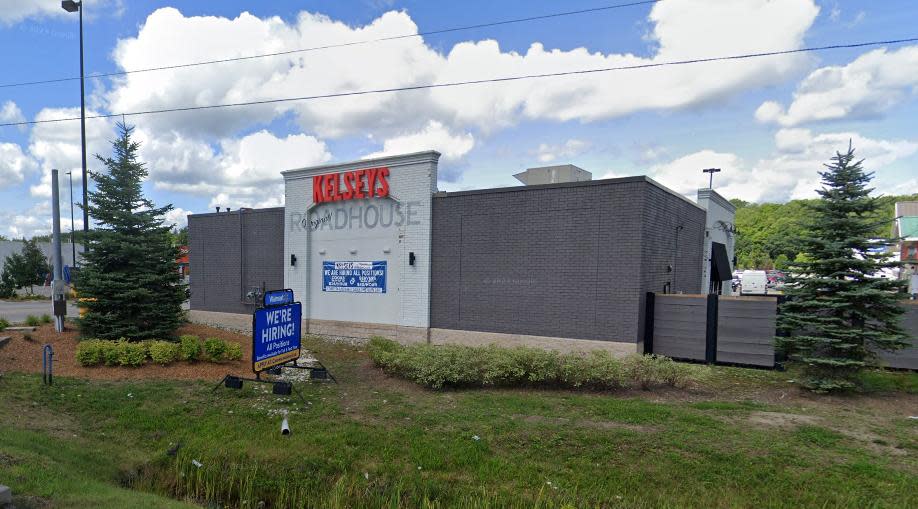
<point>351,185</point>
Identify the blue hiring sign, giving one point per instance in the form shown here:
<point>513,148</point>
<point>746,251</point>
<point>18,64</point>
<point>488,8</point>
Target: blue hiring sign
<point>278,297</point>
<point>276,335</point>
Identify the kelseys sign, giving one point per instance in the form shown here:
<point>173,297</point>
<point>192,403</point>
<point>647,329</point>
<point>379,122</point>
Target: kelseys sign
<point>351,185</point>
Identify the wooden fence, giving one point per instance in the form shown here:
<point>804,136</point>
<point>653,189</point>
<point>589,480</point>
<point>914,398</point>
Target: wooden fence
<point>735,330</point>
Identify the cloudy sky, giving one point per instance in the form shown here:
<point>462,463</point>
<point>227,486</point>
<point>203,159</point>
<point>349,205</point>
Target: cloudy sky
<point>769,122</point>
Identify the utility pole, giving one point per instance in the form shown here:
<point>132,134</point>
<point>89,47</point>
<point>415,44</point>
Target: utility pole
<point>711,172</point>
<point>72,241</point>
<point>58,297</point>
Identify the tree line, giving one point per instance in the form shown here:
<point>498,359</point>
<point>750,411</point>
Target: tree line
<point>769,233</point>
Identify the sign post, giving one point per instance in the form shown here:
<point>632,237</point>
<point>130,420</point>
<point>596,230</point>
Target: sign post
<point>276,335</point>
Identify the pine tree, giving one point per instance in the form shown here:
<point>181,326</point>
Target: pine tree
<point>838,312</point>
<point>129,275</point>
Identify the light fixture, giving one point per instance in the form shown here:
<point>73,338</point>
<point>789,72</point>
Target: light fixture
<point>71,6</point>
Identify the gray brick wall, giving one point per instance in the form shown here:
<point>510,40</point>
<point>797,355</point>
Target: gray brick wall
<point>228,257</point>
<point>565,260</point>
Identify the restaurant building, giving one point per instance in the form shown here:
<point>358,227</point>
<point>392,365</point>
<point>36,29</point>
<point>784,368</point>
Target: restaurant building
<point>371,247</point>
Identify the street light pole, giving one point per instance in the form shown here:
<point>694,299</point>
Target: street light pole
<point>72,241</point>
<point>72,6</point>
<point>711,172</point>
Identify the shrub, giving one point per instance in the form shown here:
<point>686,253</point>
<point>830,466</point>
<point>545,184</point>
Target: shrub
<point>45,318</point>
<point>190,349</point>
<point>214,348</point>
<point>233,351</point>
<point>110,352</point>
<point>457,366</point>
<point>163,352</point>
<point>32,321</point>
<point>90,352</point>
<point>4,323</point>
<point>131,354</point>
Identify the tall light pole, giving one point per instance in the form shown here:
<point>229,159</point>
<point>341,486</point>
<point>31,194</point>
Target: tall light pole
<point>72,6</point>
<point>72,242</point>
<point>711,172</point>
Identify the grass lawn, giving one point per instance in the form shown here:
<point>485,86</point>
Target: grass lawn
<point>742,438</point>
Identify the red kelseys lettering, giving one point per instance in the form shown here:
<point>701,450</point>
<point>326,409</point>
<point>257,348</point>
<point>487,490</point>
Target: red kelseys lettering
<point>357,184</point>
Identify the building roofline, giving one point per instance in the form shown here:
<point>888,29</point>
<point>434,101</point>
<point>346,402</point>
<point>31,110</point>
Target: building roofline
<point>237,212</point>
<point>716,197</point>
<point>582,183</point>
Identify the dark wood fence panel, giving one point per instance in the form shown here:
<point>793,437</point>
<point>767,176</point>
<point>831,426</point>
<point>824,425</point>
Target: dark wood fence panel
<point>907,358</point>
<point>746,330</point>
<point>679,328</point>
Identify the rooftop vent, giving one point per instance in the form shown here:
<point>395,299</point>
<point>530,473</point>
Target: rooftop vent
<point>553,175</point>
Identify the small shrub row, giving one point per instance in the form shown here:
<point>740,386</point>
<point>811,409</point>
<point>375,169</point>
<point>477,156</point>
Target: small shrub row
<point>93,352</point>
<point>463,366</point>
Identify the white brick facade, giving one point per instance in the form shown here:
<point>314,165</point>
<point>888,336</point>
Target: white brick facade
<point>349,234</point>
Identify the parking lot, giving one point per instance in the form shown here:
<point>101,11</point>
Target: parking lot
<point>17,311</point>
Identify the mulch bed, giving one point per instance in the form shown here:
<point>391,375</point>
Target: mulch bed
<point>24,356</point>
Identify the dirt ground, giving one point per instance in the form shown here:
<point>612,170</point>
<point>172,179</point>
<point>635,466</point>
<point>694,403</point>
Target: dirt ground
<point>23,353</point>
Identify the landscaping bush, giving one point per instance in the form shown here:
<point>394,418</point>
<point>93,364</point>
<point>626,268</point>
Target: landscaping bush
<point>32,321</point>
<point>110,352</point>
<point>214,349</point>
<point>4,324</point>
<point>233,351</point>
<point>131,354</point>
<point>462,366</point>
<point>190,349</point>
<point>90,352</point>
<point>45,318</point>
<point>93,352</point>
<point>163,352</point>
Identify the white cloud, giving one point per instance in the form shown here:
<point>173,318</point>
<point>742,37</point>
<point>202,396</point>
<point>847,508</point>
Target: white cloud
<point>791,172</point>
<point>15,11</point>
<point>681,29</point>
<point>36,220</point>
<point>14,165</point>
<point>10,112</point>
<point>56,145</point>
<point>548,152</point>
<point>178,217</point>
<point>240,173</point>
<point>867,87</point>
<point>434,136</point>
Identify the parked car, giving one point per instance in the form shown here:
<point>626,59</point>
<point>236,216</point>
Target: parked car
<point>754,282</point>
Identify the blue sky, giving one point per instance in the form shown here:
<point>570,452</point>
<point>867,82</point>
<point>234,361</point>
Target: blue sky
<point>769,123</point>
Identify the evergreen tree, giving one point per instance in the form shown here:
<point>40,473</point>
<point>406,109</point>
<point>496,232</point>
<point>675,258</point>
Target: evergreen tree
<point>838,311</point>
<point>129,274</point>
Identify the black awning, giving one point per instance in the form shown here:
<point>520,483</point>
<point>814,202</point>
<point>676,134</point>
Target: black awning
<point>721,263</point>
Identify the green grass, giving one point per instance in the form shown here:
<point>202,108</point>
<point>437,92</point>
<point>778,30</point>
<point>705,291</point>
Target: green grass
<point>372,441</point>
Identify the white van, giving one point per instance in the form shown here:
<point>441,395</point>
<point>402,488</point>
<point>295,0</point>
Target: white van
<point>754,282</point>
